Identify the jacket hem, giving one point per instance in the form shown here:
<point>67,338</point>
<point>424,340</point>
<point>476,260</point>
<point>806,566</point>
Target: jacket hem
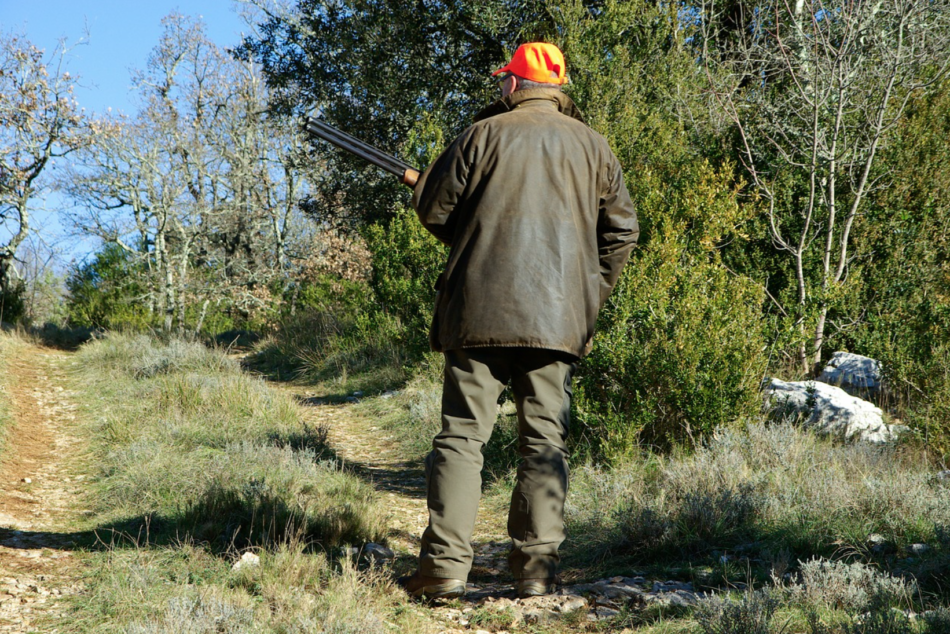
<point>535,346</point>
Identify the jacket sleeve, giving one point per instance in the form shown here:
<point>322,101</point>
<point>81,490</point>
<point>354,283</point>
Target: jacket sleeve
<point>439,188</point>
<point>617,229</point>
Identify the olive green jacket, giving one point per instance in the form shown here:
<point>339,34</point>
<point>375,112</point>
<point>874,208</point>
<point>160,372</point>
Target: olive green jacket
<point>533,205</point>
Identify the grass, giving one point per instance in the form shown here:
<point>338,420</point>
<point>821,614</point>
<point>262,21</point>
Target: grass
<point>187,590</point>
<point>194,463</point>
<point>343,353</point>
<point>184,436</point>
<point>9,344</point>
<point>754,502</point>
<point>198,463</point>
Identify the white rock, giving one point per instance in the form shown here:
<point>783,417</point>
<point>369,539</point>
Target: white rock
<point>858,376</point>
<point>247,560</point>
<point>830,410</point>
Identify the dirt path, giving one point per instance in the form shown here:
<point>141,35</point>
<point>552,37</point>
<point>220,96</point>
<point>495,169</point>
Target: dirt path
<point>37,492</point>
<point>366,447</point>
<point>369,449</point>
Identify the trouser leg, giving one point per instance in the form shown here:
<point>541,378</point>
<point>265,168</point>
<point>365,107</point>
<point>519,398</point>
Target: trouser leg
<point>541,382</point>
<point>474,379</point>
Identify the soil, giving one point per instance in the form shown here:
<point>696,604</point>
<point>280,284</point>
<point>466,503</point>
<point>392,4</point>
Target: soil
<point>37,564</point>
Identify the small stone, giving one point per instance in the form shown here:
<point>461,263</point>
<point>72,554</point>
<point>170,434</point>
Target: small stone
<point>247,560</point>
<point>378,553</point>
<point>918,549</point>
<point>26,481</point>
<point>576,603</point>
<point>536,617</point>
<point>879,544</point>
<point>605,613</point>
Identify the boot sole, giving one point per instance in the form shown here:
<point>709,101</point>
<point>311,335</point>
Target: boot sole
<point>440,591</point>
<point>535,590</point>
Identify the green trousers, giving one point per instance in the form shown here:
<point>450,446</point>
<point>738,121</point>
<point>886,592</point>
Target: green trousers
<point>474,379</point>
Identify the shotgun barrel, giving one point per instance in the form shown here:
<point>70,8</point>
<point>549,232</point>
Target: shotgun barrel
<point>367,152</point>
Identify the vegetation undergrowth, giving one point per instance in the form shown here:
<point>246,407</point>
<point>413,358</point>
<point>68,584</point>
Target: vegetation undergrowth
<point>751,503</point>
<point>196,463</point>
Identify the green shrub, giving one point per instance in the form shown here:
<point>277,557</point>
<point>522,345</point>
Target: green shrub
<point>12,306</point>
<point>107,292</point>
<point>903,314</point>
<point>680,347</point>
<point>406,260</point>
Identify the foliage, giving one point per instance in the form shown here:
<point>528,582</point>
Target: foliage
<point>903,313</point>
<point>406,260</point>
<point>11,302</point>
<point>107,292</point>
<point>680,349</point>
<point>374,67</point>
<point>202,182</point>
<point>813,94</point>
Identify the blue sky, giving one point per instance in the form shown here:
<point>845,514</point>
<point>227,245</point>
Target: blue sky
<point>119,37</point>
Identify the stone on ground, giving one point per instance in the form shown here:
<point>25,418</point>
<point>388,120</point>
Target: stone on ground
<point>829,410</point>
<point>857,375</point>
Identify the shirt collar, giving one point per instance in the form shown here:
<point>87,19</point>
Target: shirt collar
<point>522,98</point>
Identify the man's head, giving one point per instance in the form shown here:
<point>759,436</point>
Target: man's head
<point>534,65</point>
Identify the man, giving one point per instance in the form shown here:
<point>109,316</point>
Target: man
<point>533,205</point>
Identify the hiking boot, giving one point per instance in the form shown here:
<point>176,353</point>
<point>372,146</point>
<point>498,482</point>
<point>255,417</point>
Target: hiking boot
<point>537,587</point>
<point>421,586</point>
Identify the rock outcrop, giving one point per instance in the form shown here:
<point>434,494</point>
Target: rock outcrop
<point>858,376</point>
<point>829,410</point>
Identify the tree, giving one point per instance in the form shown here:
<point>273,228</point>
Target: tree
<point>814,89</point>
<point>39,122</point>
<point>387,72</point>
<point>201,184</point>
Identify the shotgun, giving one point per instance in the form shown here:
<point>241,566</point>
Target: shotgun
<point>407,173</point>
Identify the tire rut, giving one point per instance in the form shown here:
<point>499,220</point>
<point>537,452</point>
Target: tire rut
<point>37,498</point>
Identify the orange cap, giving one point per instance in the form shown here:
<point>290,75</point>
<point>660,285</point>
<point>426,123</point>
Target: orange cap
<point>537,61</point>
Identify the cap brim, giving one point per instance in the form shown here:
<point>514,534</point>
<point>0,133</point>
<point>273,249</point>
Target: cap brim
<point>503,69</point>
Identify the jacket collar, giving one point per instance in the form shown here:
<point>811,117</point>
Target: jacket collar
<point>523,97</point>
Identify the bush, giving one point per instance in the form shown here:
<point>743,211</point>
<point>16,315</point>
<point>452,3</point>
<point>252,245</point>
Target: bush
<point>107,292</point>
<point>846,586</point>
<point>406,261</point>
<point>751,614</point>
<point>680,349</point>
<point>11,303</point>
